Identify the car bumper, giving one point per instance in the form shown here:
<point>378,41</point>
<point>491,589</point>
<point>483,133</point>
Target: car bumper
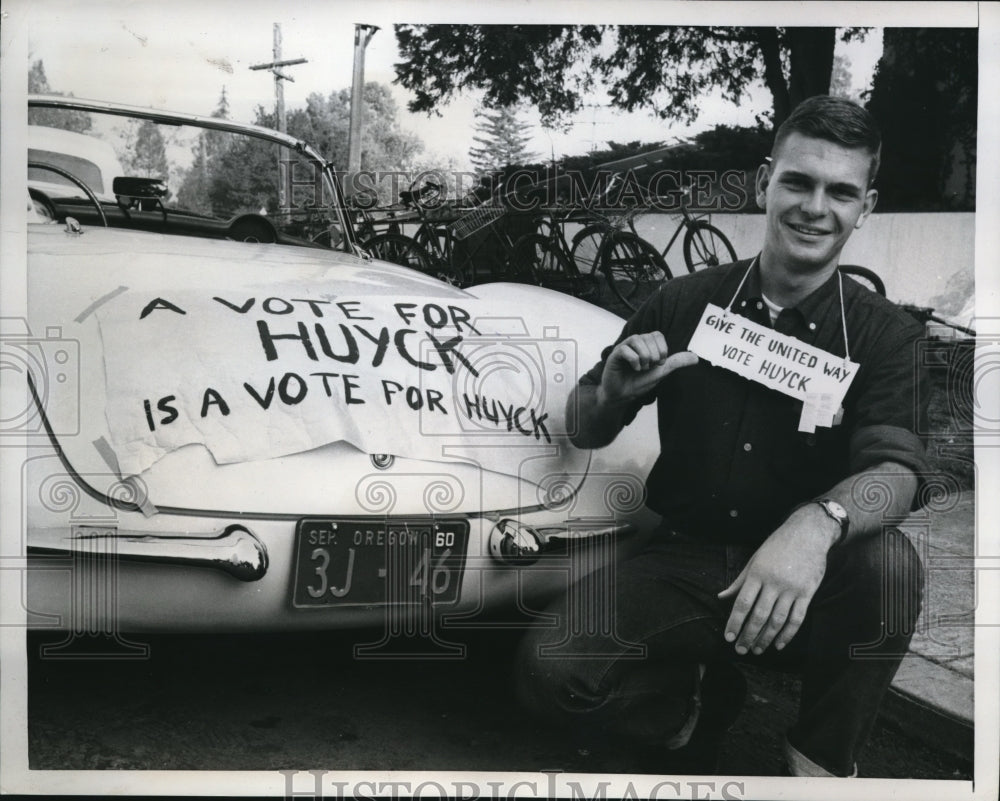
<point>175,573</point>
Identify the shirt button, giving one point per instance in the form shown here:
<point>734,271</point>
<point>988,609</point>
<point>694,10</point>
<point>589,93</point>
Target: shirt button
<point>744,303</point>
<point>760,305</point>
<point>733,513</point>
<point>747,447</point>
<point>812,326</point>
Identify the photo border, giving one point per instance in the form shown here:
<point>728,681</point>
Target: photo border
<point>17,778</point>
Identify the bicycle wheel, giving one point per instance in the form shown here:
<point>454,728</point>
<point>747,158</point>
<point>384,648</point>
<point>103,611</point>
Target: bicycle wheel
<point>633,268</point>
<point>585,247</point>
<point>399,249</point>
<point>432,237</point>
<point>436,240</point>
<point>533,259</point>
<point>867,278</point>
<point>706,246</point>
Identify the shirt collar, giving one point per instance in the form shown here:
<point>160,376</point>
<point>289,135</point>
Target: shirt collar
<point>809,310</point>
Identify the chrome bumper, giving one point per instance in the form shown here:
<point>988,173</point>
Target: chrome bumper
<point>513,542</point>
<point>237,552</point>
<point>234,551</point>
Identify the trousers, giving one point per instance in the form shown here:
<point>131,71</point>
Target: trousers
<point>622,653</point>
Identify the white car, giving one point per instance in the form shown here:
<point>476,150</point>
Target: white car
<point>243,435</point>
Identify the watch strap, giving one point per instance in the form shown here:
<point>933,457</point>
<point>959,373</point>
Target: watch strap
<point>834,511</point>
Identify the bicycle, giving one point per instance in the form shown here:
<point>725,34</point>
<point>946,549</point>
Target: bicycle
<point>545,255</point>
<point>382,238</point>
<point>630,267</point>
<point>866,277</point>
<point>703,244</point>
<point>459,240</point>
<point>922,314</point>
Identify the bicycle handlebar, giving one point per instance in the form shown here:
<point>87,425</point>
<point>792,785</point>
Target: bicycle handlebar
<point>925,314</point>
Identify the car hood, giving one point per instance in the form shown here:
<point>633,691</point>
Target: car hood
<point>203,374</point>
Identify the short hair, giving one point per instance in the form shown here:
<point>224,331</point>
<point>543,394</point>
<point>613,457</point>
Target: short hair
<point>837,120</point>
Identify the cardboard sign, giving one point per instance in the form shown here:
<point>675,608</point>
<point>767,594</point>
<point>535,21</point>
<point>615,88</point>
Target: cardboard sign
<point>280,371</point>
<point>783,363</point>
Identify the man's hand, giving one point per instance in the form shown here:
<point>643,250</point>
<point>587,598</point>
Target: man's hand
<point>775,588</point>
<point>636,365</point>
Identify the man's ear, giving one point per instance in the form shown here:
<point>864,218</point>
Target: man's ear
<point>871,198</point>
<point>760,185</point>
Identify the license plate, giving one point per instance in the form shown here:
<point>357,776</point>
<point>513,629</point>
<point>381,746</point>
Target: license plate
<point>366,561</point>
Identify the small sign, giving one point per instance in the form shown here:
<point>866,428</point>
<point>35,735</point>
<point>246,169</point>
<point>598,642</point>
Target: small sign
<point>817,378</point>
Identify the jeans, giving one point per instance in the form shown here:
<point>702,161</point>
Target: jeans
<point>622,657</point>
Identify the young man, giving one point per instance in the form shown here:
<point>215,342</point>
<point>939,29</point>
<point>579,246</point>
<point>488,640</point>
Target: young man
<point>773,547</point>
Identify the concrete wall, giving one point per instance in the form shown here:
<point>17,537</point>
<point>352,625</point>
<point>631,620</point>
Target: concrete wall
<point>924,259</point>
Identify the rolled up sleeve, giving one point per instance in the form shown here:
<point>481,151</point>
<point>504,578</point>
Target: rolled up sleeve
<point>873,445</point>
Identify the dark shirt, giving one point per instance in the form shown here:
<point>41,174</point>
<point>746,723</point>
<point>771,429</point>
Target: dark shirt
<point>732,462</point>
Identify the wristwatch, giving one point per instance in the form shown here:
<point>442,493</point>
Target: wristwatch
<point>837,513</point>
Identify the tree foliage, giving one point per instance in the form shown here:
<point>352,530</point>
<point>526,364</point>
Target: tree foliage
<point>78,121</point>
<point>667,70</point>
<point>325,123</point>
<point>841,79</point>
<point>501,140</point>
<point>146,153</point>
<point>510,63</point>
<point>721,156</point>
<point>194,191</point>
<point>924,96</point>
<point>240,176</point>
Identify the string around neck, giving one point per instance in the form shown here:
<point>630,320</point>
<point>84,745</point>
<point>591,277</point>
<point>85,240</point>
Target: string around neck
<point>840,292</point>
<point>746,275</point>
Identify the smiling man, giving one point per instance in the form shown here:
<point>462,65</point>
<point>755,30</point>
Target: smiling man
<point>776,546</point>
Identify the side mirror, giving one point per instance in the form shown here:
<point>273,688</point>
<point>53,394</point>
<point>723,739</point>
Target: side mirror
<point>127,188</point>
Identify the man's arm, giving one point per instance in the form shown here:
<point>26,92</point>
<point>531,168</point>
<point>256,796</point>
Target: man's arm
<point>774,590</point>
<point>593,424</point>
<point>597,413</point>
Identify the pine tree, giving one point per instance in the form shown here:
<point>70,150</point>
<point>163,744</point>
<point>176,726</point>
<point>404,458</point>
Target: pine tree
<point>53,118</point>
<point>148,153</point>
<point>193,194</point>
<point>37,82</point>
<point>502,141</point>
<point>215,140</point>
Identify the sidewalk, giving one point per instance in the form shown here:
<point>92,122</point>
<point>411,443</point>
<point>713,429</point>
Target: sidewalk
<point>932,694</point>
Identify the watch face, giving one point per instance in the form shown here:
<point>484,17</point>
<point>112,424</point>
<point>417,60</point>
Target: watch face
<point>835,510</point>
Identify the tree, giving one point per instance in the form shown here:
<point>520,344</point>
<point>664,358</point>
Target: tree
<point>325,122</point>
<point>924,96</point>
<point>242,175</point>
<point>147,154</point>
<point>385,147</point>
<point>53,118</point>
<point>502,141</point>
<point>841,79</point>
<point>193,193</point>
<point>228,170</point>
<point>665,69</point>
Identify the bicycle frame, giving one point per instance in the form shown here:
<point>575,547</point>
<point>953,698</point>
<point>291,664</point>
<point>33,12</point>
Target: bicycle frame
<point>687,220</point>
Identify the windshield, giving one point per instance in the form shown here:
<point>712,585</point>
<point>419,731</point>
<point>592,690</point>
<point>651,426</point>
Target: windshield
<point>218,183</point>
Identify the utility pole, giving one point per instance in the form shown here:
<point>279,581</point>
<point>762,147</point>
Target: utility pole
<point>279,100</point>
<point>279,91</point>
<point>362,36</point>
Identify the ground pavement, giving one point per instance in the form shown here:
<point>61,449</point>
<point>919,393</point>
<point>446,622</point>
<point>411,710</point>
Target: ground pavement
<point>932,694</point>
